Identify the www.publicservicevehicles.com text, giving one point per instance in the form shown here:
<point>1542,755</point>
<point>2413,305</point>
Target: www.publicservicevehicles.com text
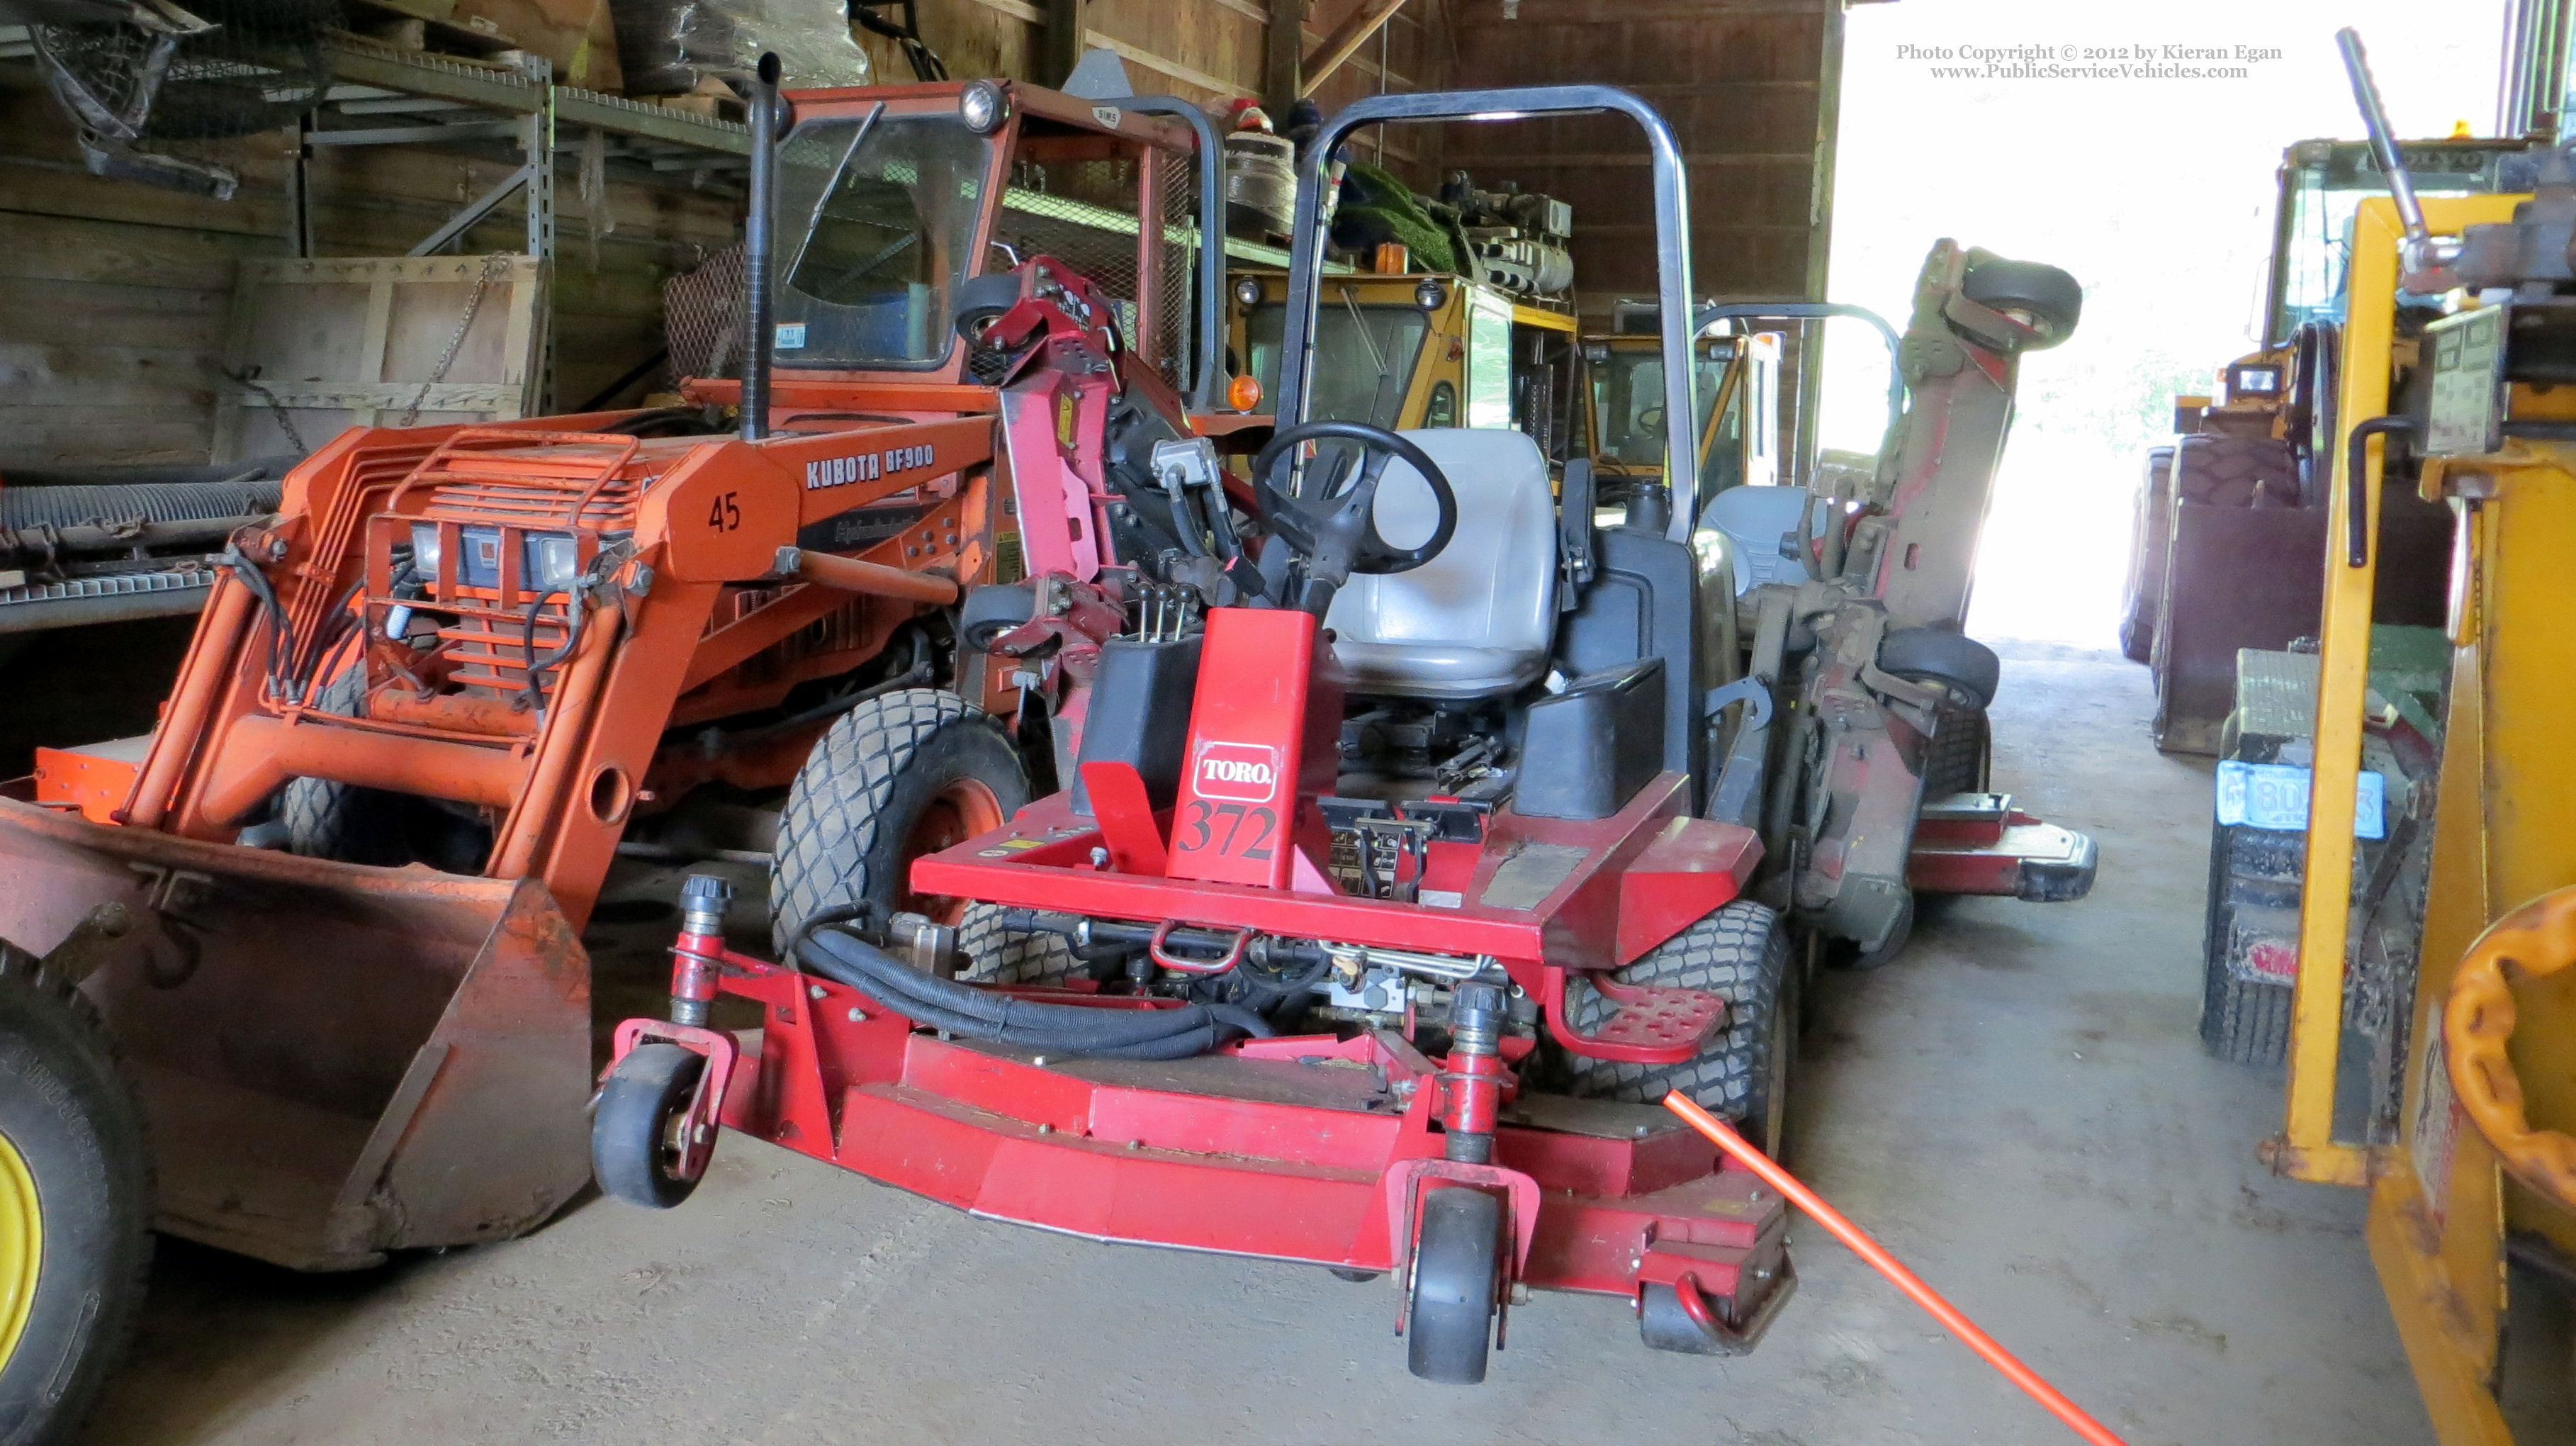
<point>2090,62</point>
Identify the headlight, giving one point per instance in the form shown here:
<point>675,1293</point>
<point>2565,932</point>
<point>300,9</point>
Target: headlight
<point>424,548</point>
<point>1247,292</point>
<point>479,561</point>
<point>548,561</point>
<point>983,107</point>
<point>1428,296</point>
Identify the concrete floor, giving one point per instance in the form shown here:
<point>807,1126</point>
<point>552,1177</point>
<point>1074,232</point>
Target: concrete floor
<point>2018,1107</point>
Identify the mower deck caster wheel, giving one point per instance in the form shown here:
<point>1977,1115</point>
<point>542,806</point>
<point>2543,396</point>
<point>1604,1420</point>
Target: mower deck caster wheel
<point>1456,1272</point>
<point>1355,1277</point>
<point>1667,1323</point>
<point>632,1144</point>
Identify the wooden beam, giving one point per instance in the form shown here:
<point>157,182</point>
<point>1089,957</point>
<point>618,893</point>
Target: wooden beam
<point>1345,42</point>
<point>1282,40</point>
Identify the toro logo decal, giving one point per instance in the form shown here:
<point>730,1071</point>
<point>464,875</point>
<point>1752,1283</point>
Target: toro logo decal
<point>1243,772</point>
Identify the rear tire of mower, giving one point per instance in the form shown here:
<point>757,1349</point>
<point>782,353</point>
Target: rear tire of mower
<point>630,1146</point>
<point>75,1202</point>
<point>995,955</point>
<point>857,814</point>
<point>1449,1325</point>
<point>1740,951</point>
<point>1958,759</point>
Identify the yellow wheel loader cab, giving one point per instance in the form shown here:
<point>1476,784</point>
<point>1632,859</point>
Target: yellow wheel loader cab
<point>1738,394</point>
<point>1406,351</point>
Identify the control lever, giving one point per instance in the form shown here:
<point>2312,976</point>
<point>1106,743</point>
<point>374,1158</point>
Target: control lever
<point>2425,258</point>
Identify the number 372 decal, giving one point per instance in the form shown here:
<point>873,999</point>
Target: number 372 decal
<point>1234,830</point>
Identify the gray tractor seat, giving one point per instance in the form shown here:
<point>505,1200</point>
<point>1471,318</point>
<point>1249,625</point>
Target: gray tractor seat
<point>1478,620</point>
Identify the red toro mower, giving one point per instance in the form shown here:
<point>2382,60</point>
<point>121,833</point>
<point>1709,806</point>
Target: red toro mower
<point>1315,960</point>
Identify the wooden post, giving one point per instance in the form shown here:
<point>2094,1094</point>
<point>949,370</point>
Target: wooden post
<point>1060,41</point>
<point>1283,42</point>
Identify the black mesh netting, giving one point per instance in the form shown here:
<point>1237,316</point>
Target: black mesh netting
<point>257,66</point>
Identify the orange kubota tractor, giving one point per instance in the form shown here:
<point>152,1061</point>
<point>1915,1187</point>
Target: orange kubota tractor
<point>487,649</point>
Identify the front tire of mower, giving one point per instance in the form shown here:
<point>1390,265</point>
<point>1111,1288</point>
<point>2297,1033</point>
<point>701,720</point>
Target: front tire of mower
<point>2045,297</point>
<point>1457,1269</point>
<point>1742,952</point>
<point>75,1205</point>
<point>897,777</point>
<point>631,1149</point>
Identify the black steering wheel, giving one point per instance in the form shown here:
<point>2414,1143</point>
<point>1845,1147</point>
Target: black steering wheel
<point>1335,532</point>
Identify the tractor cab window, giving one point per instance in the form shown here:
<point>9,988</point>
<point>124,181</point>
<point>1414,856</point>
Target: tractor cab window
<point>1364,356</point>
<point>1627,401</point>
<point>2323,184</point>
<point>875,228</point>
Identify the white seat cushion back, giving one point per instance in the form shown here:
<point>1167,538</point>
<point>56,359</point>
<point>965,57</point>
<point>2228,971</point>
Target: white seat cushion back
<point>1762,523</point>
<point>1477,620</point>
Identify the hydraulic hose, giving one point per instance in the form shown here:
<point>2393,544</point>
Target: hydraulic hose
<point>977,1013</point>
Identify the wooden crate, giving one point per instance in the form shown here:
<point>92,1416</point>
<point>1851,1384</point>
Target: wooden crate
<point>314,347</point>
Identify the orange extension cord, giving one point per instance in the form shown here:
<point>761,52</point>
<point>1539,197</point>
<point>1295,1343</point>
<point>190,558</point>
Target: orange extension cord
<point>1887,1265</point>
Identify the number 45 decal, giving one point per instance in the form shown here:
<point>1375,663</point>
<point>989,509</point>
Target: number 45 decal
<point>725,514</point>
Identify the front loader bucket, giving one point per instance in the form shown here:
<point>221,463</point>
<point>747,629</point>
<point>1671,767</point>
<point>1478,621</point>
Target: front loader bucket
<point>334,1060</point>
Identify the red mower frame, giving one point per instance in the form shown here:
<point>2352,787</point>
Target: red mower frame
<point>1322,1148</point>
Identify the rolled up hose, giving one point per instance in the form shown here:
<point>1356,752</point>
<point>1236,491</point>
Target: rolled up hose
<point>963,1009</point>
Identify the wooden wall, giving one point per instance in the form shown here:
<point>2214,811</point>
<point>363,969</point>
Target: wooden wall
<point>1750,87</point>
<point>112,294</point>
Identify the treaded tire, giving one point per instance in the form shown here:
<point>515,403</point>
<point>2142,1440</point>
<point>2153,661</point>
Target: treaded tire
<point>353,825</point>
<point>2213,470</point>
<point>2147,546</point>
<point>1742,952</point>
<point>1924,654</point>
<point>995,955</point>
<point>1957,760</point>
<point>1449,1325</point>
<point>69,1118</point>
<point>2048,296</point>
<point>2242,1021</point>
<point>629,1148</point>
<point>865,788</point>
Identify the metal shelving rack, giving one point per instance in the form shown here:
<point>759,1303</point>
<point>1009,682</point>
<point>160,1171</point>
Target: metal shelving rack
<point>441,100</point>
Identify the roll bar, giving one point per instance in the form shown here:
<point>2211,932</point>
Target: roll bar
<point>1672,245</point>
<point>1208,390</point>
<point>1818,311</point>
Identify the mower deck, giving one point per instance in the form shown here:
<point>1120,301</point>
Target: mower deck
<point>1303,1149</point>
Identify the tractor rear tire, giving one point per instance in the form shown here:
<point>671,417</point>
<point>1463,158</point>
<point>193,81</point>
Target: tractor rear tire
<point>2214,470</point>
<point>1457,1266</point>
<point>352,825</point>
<point>1740,951</point>
<point>630,1137</point>
<point>75,1205</point>
<point>897,777</point>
